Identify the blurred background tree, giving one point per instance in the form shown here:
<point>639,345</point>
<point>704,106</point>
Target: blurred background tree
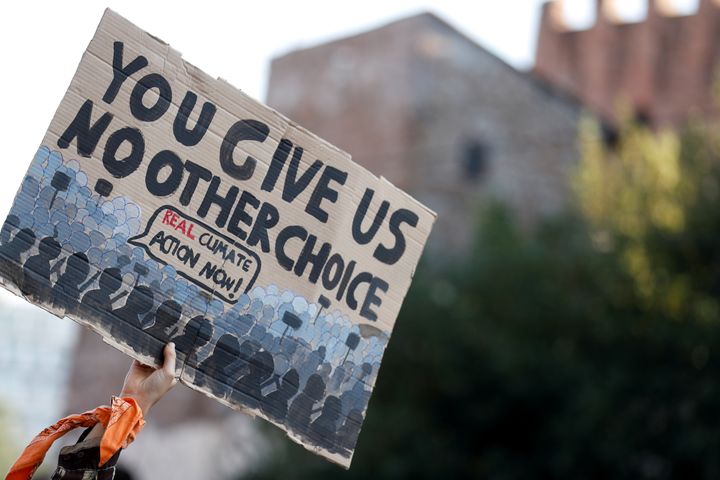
<point>587,348</point>
<point>654,200</point>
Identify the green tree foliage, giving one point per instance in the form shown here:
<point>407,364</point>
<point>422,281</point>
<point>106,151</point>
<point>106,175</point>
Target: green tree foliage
<point>587,349</point>
<point>655,201</point>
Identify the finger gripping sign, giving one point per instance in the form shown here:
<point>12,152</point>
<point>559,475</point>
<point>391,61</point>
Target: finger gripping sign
<point>165,205</point>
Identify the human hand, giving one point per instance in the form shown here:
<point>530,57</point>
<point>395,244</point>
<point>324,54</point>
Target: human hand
<point>147,384</point>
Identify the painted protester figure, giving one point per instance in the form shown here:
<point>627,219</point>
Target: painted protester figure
<point>98,302</point>
<point>197,333</point>
<point>275,403</point>
<point>166,317</point>
<point>12,222</point>
<point>248,387</point>
<point>66,291</point>
<point>10,253</point>
<point>211,371</point>
<point>37,269</point>
<point>347,434</point>
<point>359,395</point>
<point>241,365</point>
<point>302,407</point>
<point>322,429</point>
<point>128,318</point>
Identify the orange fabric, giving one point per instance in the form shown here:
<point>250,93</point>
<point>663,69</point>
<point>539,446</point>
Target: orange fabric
<point>123,420</point>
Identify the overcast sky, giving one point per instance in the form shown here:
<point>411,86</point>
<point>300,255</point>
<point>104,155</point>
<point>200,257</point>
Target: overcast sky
<point>41,44</point>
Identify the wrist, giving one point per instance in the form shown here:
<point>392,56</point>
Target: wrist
<point>141,401</point>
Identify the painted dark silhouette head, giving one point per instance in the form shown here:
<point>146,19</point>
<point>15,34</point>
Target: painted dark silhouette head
<point>78,268</point>
<point>22,242</point>
<point>261,366</point>
<point>140,300</point>
<point>290,383</point>
<point>204,330</point>
<point>331,408</point>
<point>227,346</point>
<point>322,352</point>
<point>11,223</point>
<point>168,312</point>
<point>314,387</point>
<point>366,369</point>
<point>111,279</point>
<point>248,348</point>
<point>49,248</point>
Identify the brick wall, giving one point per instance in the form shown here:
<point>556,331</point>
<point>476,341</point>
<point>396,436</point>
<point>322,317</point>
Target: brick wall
<point>664,66</point>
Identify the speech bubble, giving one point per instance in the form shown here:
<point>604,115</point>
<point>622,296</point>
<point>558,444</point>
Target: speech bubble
<point>199,253</point>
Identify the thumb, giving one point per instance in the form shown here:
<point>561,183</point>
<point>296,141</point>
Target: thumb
<point>169,360</point>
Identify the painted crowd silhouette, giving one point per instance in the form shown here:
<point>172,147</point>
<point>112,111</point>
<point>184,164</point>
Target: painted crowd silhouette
<point>238,368</point>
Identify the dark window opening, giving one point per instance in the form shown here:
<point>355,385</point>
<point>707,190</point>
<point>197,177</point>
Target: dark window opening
<point>643,118</point>
<point>610,135</point>
<point>476,156</point>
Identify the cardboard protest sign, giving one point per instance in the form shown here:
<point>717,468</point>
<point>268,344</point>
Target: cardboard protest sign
<point>167,205</point>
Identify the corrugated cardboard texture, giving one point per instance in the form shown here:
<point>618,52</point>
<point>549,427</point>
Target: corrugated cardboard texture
<point>167,205</point>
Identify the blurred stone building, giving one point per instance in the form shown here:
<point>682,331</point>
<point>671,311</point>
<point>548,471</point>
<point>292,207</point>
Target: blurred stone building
<point>665,66</point>
<point>442,118</point>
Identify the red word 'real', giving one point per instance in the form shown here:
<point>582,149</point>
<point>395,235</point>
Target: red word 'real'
<point>179,225</point>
